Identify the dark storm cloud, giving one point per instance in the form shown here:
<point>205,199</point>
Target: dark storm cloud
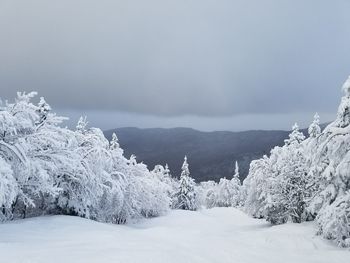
<point>180,57</point>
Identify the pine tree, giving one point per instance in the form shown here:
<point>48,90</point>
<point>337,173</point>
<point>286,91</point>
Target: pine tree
<point>236,188</point>
<point>295,136</point>
<point>315,129</point>
<point>114,143</point>
<point>186,196</point>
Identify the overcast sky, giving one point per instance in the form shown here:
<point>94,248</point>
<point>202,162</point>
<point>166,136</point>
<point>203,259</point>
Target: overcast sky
<point>205,64</point>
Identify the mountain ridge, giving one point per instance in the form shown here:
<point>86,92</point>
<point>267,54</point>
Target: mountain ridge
<point>211,155</point>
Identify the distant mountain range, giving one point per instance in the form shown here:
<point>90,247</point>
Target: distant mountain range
<point>211,155</point>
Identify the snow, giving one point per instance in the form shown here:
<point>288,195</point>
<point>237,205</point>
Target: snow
<point>218,235</point>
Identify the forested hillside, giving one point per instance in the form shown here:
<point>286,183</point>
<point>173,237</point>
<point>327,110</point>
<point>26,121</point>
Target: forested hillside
<point>212,154</point>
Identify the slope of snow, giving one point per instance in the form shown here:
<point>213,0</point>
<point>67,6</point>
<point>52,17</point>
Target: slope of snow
<point>218,235</point>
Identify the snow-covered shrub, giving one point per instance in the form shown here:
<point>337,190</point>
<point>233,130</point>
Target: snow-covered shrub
<point>150,191</point>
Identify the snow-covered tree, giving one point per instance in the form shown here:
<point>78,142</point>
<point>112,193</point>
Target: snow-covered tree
<point>208,194</point>
<point>43,111</point>
<point>8,190</point>
<point>225,193</point>
<point>163,174</point>
<point>186,197</point>
<point>256,185</point>
<point>315,129</point>
<point>295,136</point>
<point>334,221</point>
<point>307,178</point>
<point>276,187</point>
<point>288,187</point>
<point>331,166</point>
<point>236,185</point>
<point>21,146</point>
<point>45,168</point>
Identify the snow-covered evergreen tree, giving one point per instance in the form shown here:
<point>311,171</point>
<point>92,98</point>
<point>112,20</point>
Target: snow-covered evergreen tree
<point>315,129</point>
<point>333,221</point>
<point>186,197</point>
<point>114,143</point>
<point>307,178</point>
<point>276,187</point>
<point>295,136</point>
<point>331,167</point>
<point>236,188</point>
<point>287,194</point>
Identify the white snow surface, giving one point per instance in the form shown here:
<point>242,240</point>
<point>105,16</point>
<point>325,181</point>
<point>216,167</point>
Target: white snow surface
<point>216,235</point>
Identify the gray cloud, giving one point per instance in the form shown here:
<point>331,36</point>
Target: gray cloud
<point>206,58</point>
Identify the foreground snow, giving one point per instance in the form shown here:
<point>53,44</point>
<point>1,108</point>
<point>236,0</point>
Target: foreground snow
<point>217,235</point>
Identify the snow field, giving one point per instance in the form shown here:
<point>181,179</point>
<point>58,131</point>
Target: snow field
<point>218,235</point>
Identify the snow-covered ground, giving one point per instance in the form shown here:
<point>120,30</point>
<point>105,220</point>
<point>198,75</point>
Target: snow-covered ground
<point>217,235</point>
